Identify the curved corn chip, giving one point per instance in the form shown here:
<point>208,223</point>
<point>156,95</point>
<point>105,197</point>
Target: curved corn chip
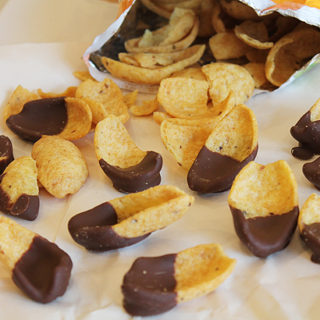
<point>254,34</point>
<point>151,76</point>
<point>290,53</point>
<point>129,168</point>
<point>131,218</point>
<point>62,169</point>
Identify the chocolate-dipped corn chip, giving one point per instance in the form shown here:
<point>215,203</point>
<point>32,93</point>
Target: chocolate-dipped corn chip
<point>307,131</point>
<point>124,221</point>
<point>67,117</point>
<point>156,284</point>
<point>184,138</point>
<point>309,225</point>
<point>62,169</point>
<point>19,192</point>
<point>6,152</point>
<point>264,205</point>
<point>230,146</point>
<point>311,170</point>
<point>39,267</point>
<point>129,168</point>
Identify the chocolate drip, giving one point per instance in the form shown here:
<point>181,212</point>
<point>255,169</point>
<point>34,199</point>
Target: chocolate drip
<point>302,153</point>
<point>93,229</point>
<point>311,170</point>
<point>311,237</point>
<point>307,132</point>
<point>43,271</point>
<point>214,172</point>
<point>148,287</point>
<point>26,206</point>
<point>39,117</point>
<point>136,178</point>
<point>265,235</point>
<point>6,153</point>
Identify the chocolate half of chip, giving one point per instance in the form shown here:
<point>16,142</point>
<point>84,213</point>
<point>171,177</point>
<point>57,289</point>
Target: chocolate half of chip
<point>148,287</point>
<point>311,237</point>
<point>6,152</point>
<point>214,172</point>
<point>142,176</point>
<point>265,235</point>
<point>93,229</point>
<point>39,117</point>
<point>302,153</point>
<point>43,271</point>
<point>311,170</point>
<point>307,132</point>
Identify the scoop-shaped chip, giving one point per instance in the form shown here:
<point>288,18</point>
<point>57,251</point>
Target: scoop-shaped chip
<point>104,98</point>
<point>224,78</point>
<point>225,45</point>
<point>127,220</point>
<point>6,152</point>
<point>152,76</point>
<point>129,168</point>
<point>183,97</point>
<point>290,53</point>
<point>230,146</point>
<point>264,205</point>
<point>19,192</point>
<point>132,45</point>
<point>309,225</point>
<point>307,129</point>
<point>62,169</point>
<point>69,118</point>
<point>156,284</point>
<point>254,34</point>
<point>154,60</point>
<point>238,10</point>
<point>82,75</point>
<point>16,101</point>
<point>39,267</point>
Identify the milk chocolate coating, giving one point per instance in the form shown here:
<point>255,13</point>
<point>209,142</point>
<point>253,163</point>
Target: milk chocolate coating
<point>310,235</point>
<point>148,287</point>
<point>6,153</point>
<point>39,117</point>
<point>43,271</point>
<point>307,132</point>
<point>265,235</point>
<point>214,172</point>
<point>93,229</point>
<point>302,153</point>
<point>311,170</point>
<point>144,175</point>
<point>26,206</point>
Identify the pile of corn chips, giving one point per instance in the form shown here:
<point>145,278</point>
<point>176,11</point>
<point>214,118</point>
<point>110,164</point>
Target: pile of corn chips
<point>270,47</point>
